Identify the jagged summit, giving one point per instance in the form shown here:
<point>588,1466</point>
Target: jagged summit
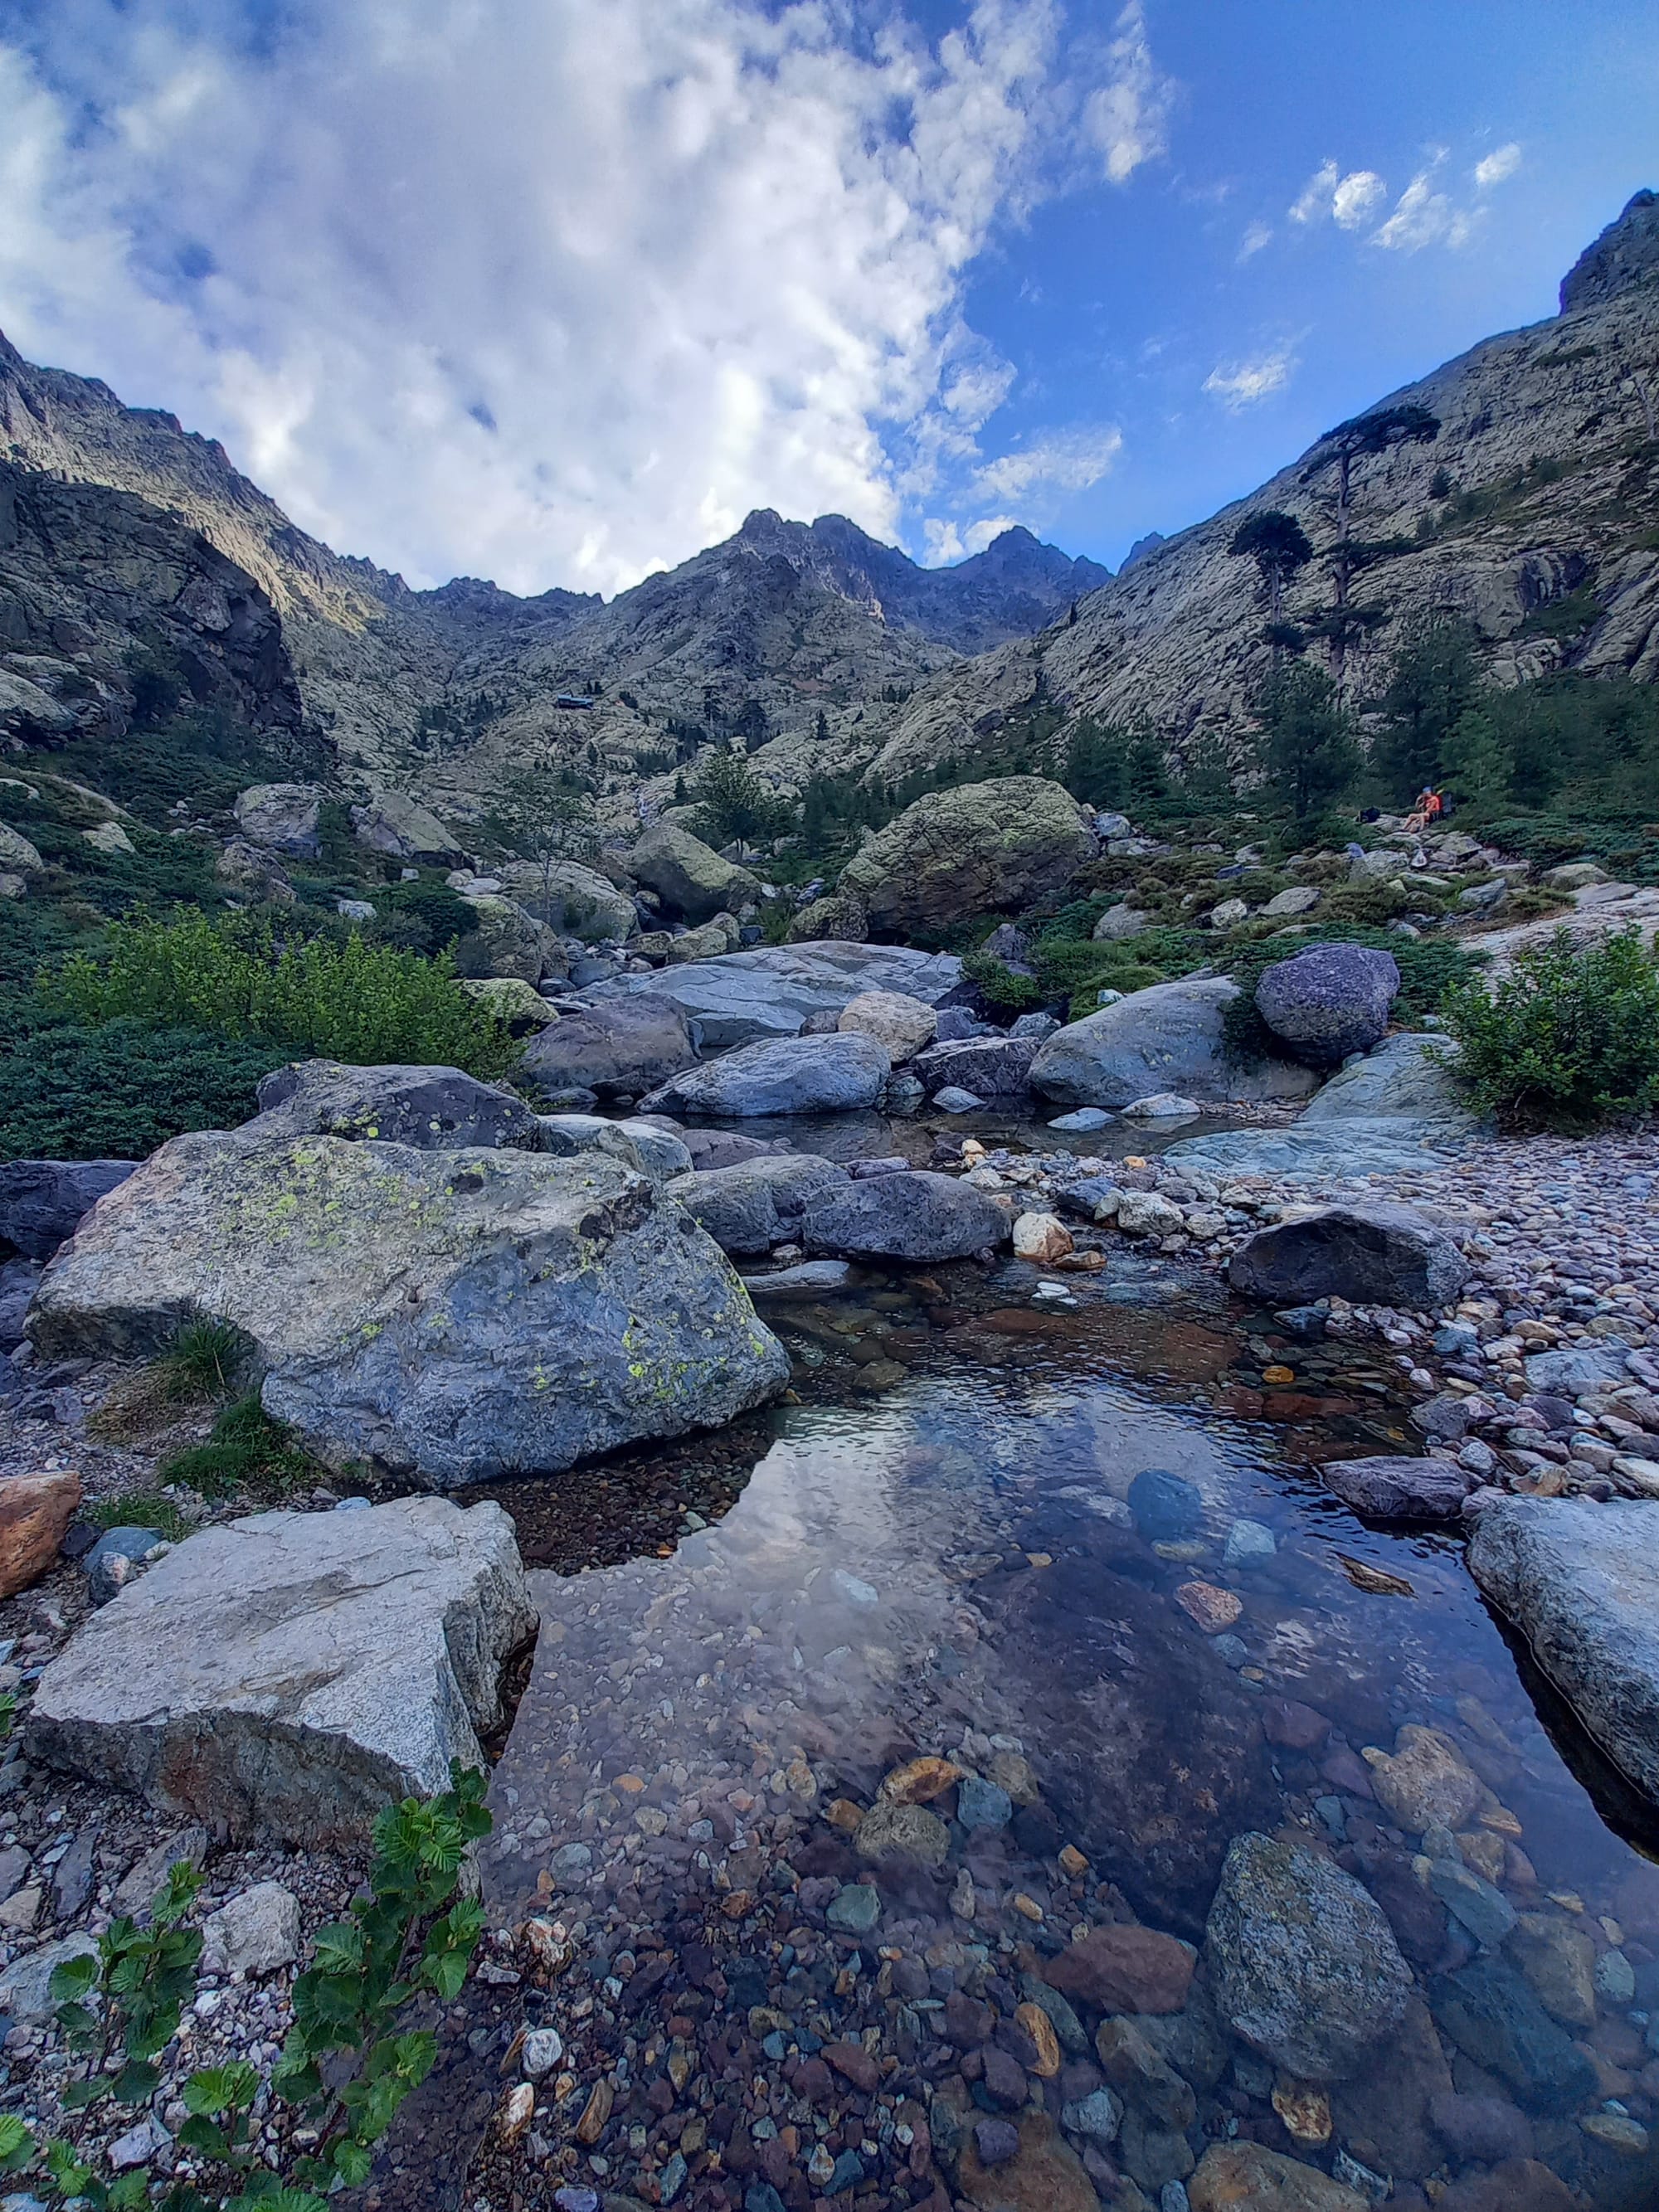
<point>1626,254</point>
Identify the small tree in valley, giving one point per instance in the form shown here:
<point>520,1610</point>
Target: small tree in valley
<point>1307,743</point>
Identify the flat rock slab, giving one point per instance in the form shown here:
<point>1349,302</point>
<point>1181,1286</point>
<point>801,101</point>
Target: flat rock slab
<point>1580,1583</point>
<point>1369,1254</point>
<point>904,1217</point>
<point>769,990</point>
<point>832,1074</point>
<point>453,1317</point>
<point>1362,1146</point>
<point>289,1674</point>
<point>435,1108</point>
<point>1169,1037</point>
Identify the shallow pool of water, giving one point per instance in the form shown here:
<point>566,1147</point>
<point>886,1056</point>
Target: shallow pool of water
<point>936,1552</point>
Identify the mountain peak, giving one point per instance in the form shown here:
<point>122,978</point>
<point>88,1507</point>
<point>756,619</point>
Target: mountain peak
<point>1626,254</point>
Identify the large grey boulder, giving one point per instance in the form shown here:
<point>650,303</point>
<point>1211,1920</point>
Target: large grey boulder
<point>283,817</point>
<point>512,942</point>
<point>1329,1001</point>
<point>1398,1489</point>
<point>743,998</point>
<point>43,1202</point>
<point>622,1048</point>
<point>1407,1080</point>
<point>796,1075</point>
<point>1167,1038</point>
<point>435,1108</point>
<point>991,1068</point>
<point>955,854</point>
<point>452,1317</point>
<point>899,1023</point>
<point>404,829</point>
<point>1369,1254</point>
<point>755,1204</point>
<point>1302,1963</point>
<point>690,878</point>
<point>1580,1582</point>
<point>576,900</point>
<point>904,1217</point>
<point>289,1674</point>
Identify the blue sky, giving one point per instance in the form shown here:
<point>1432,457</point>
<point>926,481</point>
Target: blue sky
<point>555,293</point>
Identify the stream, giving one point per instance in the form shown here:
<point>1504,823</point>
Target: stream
<point>938,1550</point>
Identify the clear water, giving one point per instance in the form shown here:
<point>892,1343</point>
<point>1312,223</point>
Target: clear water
<point>933,1556</point>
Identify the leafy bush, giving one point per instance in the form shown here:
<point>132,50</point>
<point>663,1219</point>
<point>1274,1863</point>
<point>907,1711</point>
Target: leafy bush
<point>440,914</point>
<point>344,2070</point>
<point>1569,1039</point>
<point>118,1091</point>
<point>352,1002</point>
<point>139,1508</point>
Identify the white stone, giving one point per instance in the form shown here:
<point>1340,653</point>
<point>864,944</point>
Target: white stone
<point>254,1933</point>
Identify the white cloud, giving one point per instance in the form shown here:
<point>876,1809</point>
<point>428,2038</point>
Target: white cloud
<point>1501,163</point>
<point>535,289</point>
<point>1256,235</point>
<point>1128,116</point>
<point>1347,199</point>
<point>1064,460</point>
<point>1243,383</point>
<point>1423,216</point>
<point>944,541</point>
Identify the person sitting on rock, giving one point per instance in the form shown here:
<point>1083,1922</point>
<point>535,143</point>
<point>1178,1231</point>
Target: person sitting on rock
<point>1429,808</point>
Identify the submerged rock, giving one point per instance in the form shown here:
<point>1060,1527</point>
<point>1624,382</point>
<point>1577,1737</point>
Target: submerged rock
<point>289,1673</point>
<point>1580,1583</point>
<point>1244,2177</point>
<point>1491,2014</point>
<point>1369,1254</point>
<point>453,1317</point>
<point>1302,1961</point>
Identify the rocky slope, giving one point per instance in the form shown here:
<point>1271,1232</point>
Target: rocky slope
<point>782,624</point>
<point>1535,512</point>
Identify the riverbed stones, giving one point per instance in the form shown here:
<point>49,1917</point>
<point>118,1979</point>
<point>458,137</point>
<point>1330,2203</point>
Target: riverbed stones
<point>1245,2177</point>
<point>980,848</point>
<point>1492,2016</point>
<point>901,1024</point>
<point>833,1074</point>
<point>922,1217</point>
<point>1124,1968</point>
<point>1398,1489</point>
<point>1169,1038</point>
<point>1166,1507</point>
<point>435,1108</point>
<point>690,878</point>
<point>35,1512</point>
<point>892,1830</point>
<point>1580,1582</point>
<point>287,1673</point>
<point>758,1203</point>
<point>1367,1254</point>
<point>623,1047</point>
<point>1558,1957</point>
<point>257,1932</point>
<point>452,1317</point>
<point>1329,1001</point>
<point>1302,1962</point>
<point>1043,2175</point>
<point>1425,1782</point>
<point>43,1202</point>
<point>1043,1238</point>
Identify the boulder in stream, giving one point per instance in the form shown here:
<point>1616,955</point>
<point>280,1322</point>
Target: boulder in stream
<point>1369,1254</point>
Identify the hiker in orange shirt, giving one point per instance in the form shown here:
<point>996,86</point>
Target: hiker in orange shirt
<point>1429,809</point>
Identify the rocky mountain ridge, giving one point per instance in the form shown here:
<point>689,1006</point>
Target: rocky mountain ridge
<point>1534,513</point>
<point>780,625</point>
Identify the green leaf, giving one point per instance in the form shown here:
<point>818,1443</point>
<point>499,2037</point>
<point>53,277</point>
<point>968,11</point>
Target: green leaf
<point>73,2179</point>
<point>200,2133</point>
<point>213,2090</point>
<point>78,2096</point>
<point>131,2191</point>
<point>445,1973</point>
<point>339,1949</point>
<point>74,1978</point>
<point>352,2162</point>
<point>16,2143</point>
<point>136,2082</point>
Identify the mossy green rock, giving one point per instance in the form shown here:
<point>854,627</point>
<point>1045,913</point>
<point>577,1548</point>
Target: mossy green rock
<point>957,854</point>
<point>449,1316</point>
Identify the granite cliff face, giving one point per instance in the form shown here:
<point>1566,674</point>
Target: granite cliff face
<point>1535,512</point>
<point>118,522</point>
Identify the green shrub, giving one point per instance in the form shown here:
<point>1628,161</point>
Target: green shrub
<point>139,1508</point>
<point>1001,985</point>
<point>116,1092</point>
<point>246,1451</point>
<point>353,1001</point>
<point>1569,1040</point>
<point>440,915</point>
<point>203,1362</point>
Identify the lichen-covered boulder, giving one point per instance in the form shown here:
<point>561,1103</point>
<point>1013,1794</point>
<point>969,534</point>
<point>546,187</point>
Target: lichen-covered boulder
<point>954,855</point>
<point>289,1674</point>
<point>283,817</point>
<point>511,1000</point>
<point>452,1317</point>
<point>1329,1001</point>
<point>435,1108</point>
<point>244,869</point>
<point>828,1074</point>
<point>621,1047</point>
<point>404,829</point>
<point>1169,1038</point>
<point>510,941</point>
<point>576,900</point>
<point>689,877</point>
